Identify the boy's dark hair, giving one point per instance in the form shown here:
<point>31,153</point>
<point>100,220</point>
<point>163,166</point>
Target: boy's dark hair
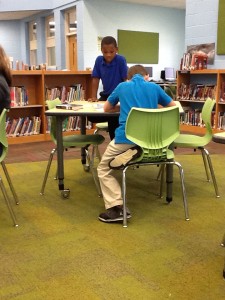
<point>136,69</point>
<point>108,40</point>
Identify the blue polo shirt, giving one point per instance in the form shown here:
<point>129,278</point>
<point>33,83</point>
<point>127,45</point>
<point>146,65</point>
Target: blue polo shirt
<point>135,93</point>
<point>111,73</point>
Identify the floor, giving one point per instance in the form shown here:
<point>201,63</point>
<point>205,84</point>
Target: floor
<point>40,151</point>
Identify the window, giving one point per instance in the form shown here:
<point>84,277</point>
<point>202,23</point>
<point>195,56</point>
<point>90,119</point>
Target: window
<point>50,41</point>
<point>33,42</point>
<point>71,38</point>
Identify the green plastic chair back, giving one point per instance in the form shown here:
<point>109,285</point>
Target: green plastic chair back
<point>195,141</point>
<point>206,117</point>
<point>3,138</point>
<point>52,104</point>
<point>170,91</point>
<point>154,130</point>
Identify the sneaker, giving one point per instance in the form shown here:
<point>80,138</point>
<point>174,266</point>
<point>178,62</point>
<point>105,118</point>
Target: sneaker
<point>121,160</point>
<point>113,214</point>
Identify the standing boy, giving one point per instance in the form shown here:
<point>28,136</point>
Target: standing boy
<point>136,92</point>
<point>111,69</point>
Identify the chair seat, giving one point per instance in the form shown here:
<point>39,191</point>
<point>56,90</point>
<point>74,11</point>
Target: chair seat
<point>190,141</point>
<point>154,158</point>
<point>102,126</point>
<point>82,140</point>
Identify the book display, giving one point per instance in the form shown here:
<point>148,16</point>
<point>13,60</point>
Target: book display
<point>26,120</point>
<point>193,88</point>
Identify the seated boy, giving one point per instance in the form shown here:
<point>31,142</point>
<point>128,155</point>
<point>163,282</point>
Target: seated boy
<point>137,92</point>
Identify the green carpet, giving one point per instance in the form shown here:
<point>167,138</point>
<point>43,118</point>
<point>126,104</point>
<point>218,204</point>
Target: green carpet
<point>61,251</point>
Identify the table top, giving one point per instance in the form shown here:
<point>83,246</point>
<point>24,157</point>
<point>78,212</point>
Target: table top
<point>219,137</point>
<point>83,108</point>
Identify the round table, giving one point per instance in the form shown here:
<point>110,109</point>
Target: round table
<point>219,137</point>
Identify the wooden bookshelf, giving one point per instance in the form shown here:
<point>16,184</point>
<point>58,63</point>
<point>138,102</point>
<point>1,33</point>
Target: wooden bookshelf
<point>35,83</point>
<point>206,77</point>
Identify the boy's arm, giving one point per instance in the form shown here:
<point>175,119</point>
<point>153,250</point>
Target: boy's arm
<point>172,103</point>
<point>95,84</point>
<point>108,107</point>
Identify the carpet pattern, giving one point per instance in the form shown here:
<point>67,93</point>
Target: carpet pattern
<point>61,251</point>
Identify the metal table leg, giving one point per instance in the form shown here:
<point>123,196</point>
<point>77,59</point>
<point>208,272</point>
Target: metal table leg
<point>169,183</point>
<point>83,131</point>
<point>60,162</point>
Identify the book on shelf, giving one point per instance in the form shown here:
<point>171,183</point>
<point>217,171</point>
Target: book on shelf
<point>221,120</point>
<point>18,127</point>
<point>23,126</point>
<point>193,117</point>
<point>66,94</point>
<point>199,92</point>
<point>18,96</point>
<point>194,61</point>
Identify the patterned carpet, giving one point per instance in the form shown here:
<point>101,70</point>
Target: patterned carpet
<point>61,251</point>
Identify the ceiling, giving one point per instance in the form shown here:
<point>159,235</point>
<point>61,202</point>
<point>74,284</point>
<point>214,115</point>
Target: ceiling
<point>181,4</point>
<point>17,15</point>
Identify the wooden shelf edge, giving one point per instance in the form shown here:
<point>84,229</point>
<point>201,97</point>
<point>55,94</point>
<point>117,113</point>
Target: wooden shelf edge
<point>196,129</point>
<point>26,139</point>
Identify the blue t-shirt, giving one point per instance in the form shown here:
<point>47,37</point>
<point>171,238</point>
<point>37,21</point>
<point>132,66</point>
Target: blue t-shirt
<point>111,73</point>
<point>135,93</point>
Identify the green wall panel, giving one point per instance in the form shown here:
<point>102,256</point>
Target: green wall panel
<point>221,28</point>
<point>139,47</point>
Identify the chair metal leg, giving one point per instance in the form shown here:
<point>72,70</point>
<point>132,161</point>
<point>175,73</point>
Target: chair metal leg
<point>91,162</point>
<point>223,241</point>
<point>124,197</point>
<point>181,171</point>
<point>8,203</point>
<point>162,173</point>
<point>205,163</point>
<point>47,171</point>
<point>159,173</point>
<point>212,172</point>
<point>10,182</point>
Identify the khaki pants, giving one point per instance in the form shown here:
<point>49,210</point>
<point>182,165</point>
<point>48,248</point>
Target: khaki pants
<point>111,188</point>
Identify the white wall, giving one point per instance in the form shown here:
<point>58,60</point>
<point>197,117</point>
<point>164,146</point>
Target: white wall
<point>101,18</point>
<point>13,5</point>
<point>201,26</point>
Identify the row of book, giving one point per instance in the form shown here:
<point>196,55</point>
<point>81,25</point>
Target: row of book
<point>18,96</point>
<point>194,61</point>
<point>23,126</point>
<point>196,92</point>
<point>66,93</point>
<point>70,124</point>
<point>222,92</point>
<point>221,120</point>
<point>194,117</point>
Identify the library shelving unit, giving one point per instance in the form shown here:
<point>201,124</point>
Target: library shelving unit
<point>35,83</point>
<point>209,79</point>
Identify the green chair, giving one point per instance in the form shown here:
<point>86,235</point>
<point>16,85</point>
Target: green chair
<point>199,142</point>
<point>170,90</point>
<point>74,141</point>
<point>4,151</point>
<point>101,127</point>
<point>156,130</point>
